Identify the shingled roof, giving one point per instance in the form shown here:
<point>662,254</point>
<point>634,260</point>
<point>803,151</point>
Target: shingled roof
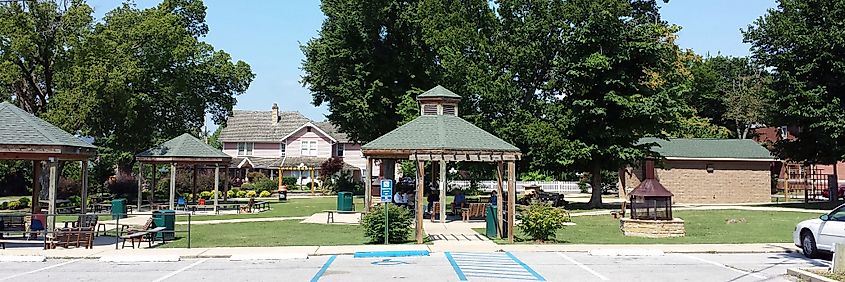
<point>439,92</point>
<point>183,147</point>
<point>258,126</point>
<point>440,132</point>
<point>19,127</point>
<point>704,148</point>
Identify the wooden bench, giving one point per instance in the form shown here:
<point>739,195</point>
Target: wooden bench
<point>261,206</point>
<point>16,223</point>
<point>139,237</point>
<point>195,208</point>
<point>330,218</point>
<point>475,210</point>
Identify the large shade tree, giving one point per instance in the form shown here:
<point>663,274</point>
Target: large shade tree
<point>138,77</point>
<point>801,41</point>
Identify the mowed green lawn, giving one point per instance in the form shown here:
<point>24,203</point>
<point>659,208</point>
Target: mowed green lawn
<point>289,208</point>
<point>702,227</point>
<point>266,234</point>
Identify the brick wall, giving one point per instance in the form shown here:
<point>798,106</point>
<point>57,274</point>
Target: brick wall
<point>730,182</point>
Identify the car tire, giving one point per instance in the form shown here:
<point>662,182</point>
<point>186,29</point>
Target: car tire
<point>808,245</point>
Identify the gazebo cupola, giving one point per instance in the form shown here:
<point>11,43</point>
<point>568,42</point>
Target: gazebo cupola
<point>439,101</point>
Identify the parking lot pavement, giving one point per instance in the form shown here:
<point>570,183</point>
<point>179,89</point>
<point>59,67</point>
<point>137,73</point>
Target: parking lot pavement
<point>450,266</point>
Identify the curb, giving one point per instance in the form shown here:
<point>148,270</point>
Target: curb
<point>804,275</point>
<point>273,256</point>
<point>23,258</point>
<point>139,258</point>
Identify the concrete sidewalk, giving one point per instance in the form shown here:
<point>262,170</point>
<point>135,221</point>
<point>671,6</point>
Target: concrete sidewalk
<point>343,250</point>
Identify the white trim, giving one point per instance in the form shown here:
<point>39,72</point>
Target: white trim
<point>246,160</point>
<point>311,125</point>
<point>720,159</point>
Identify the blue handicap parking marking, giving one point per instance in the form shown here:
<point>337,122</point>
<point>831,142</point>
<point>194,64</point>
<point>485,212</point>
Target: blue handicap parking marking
<point>388,262</point>
<point>491,265</point>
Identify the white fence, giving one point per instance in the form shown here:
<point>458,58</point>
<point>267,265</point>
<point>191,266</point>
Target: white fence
<point>563,187</point>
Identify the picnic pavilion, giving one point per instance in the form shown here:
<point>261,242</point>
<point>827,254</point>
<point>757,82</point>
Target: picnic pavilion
<point>24,136</point>
<point>186,150</point>
<point>439,136</point>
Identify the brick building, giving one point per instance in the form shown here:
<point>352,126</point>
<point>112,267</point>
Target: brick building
<point>709,171</point>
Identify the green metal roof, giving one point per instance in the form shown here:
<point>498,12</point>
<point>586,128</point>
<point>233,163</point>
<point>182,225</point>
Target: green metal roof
<point>439,92</point>
<point>18,127</point>
<point>185,146</point>
<point>440,132</point>
<point>701,148</point>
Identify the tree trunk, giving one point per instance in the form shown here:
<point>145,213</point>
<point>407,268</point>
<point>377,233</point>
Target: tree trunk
<point>595,198</point>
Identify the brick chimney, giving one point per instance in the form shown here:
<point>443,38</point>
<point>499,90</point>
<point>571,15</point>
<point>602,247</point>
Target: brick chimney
<point>275,113</point>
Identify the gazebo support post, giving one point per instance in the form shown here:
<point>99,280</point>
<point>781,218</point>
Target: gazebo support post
<point>511,198</point>
<point>443,201</point>
<point>500,171</point>
<point>83,205</point>
<point>419,200</point>
<point>368,186</point>
<point>172,186</point>
<point>311,177</point>
<point>53,166</point>
<point>216,185</point>
<point>154,187</point>
<point>194,183</point>
<point>36,187</point>
<point>140,183</point>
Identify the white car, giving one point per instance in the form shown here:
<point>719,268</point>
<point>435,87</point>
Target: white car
<point>819,235</point>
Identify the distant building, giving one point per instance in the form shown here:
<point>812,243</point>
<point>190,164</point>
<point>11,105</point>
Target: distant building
<point>266,140</point>
<point>709,171</point>
<point>792,170</point>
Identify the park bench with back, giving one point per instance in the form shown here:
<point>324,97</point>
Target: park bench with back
<point>475,210</point>
<point>78,233</point>
<point>146,232</point>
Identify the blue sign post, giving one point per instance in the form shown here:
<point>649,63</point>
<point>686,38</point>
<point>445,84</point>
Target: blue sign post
<point>386,198</point>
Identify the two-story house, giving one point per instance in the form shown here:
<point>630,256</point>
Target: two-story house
<point>267,140</point>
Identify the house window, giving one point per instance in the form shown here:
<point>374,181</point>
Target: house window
<point>282,149</point>
<point>245,149</point>
<point>309,148</point>
<point>340,148</point>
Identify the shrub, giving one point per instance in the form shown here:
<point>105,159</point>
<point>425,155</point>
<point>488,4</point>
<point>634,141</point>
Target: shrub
<point>74,200</point>
<point>4,205</point>
<point>241,194</point>
<point>247,186</point>
<point>266,185</point>
<point>13,205</point>
<point>264,194</point>
<point>289,181</point>
<point>400,221</point>
<point>231,194</point>
<point>541,221</point>
<point>24,201</point>
<point>122,186</point>
<point>250,194</point>
<point>255,176</point>
<point>206,194</point>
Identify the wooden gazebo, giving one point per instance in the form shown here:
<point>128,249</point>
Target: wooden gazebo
<point>24,136</point>
<point>185,149</point>
<point>438,135</point>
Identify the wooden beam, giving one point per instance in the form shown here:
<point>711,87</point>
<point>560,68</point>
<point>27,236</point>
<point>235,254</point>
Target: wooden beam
<point>140,185</point>
<point>36,187</point>
<point>217,185</point>
<point>511,198</point>
<point>500,171</point>
<point>172,198</point>
<point>194,183</point>
<point>311,177</point>
<point>368,186</point>
<point>53,166</point>
<point>419,200</point>
<point>84,204</point>
<point>442,191</point>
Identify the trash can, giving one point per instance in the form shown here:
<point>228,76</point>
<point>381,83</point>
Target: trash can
<point>283,193</point>
<point>344,201</point>
<point>491,222</point>
<point>118,208</point>
<point>166,219</point>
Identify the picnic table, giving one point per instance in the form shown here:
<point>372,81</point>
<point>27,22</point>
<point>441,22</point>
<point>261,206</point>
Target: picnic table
<point>330,218</point>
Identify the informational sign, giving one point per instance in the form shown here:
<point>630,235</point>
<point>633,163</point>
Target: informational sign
<point>386,198</point>
<point>386,190</point>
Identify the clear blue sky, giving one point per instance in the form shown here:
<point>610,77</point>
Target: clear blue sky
<point>267,35</point>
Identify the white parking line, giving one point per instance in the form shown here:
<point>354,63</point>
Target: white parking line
<point>582,266</point>
<point>180,270</point>
<point>37,270</point>
<point>755,275</point>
